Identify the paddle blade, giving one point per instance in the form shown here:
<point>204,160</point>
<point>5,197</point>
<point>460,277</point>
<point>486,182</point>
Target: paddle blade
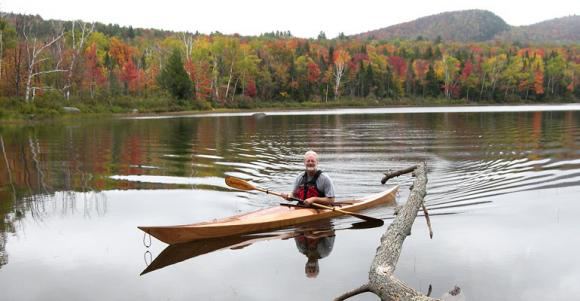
<point>239,183</point>
<point>367,218</point>
<point>367,224</point>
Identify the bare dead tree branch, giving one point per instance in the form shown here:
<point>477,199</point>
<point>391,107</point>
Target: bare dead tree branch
<point>354,292</point>
<point>426,213</point>
<point>392,174</point>
<point>382,281</point>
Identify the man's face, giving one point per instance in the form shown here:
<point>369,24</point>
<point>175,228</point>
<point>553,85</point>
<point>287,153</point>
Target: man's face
<point>311,163</point>
<point>312,268</point>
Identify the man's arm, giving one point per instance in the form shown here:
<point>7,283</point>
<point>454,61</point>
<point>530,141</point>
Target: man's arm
<point>319,200</point>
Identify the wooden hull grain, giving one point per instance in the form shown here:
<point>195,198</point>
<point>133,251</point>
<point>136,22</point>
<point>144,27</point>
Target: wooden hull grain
<point>262,220</point>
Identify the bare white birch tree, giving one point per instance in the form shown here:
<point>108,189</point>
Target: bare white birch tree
<point>187,40</point>
<point>34,50</point>
<point>77,46</point>
<point>341,59</point>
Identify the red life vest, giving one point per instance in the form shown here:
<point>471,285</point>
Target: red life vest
<point>308,189</point>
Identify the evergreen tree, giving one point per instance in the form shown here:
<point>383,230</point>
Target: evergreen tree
<point>432,88</point>
<point>410,84</point>
<point>389,84</point>
<point>174,78</point>
<point>359,91</point>
<point>131,33</point>
<point>438,40</point>
<point>428,53</point>
<point>437,54</point>
<point>369,83</point>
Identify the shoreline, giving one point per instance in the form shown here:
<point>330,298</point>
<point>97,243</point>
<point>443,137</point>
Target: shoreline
<point>317,107</point>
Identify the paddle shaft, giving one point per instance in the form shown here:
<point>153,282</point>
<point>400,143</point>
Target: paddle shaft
<point>363,217</point>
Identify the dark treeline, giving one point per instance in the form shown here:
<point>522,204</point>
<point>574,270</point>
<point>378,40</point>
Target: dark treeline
<point>111,66</point>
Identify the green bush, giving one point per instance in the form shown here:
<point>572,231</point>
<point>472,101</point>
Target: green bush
<point>201,105</point>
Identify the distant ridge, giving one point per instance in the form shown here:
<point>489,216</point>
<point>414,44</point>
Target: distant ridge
<point>559,30</point>
<point>463,26</point>
<point>478,26</point>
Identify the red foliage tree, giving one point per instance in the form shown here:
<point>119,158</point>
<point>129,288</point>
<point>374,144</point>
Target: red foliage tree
<point>251,90</point>
<point>399,65</point>
<point>129,75</point>
<point>467,70</point>
<point>539,82</point>
<point>94,73</point>
<point>313,72</point>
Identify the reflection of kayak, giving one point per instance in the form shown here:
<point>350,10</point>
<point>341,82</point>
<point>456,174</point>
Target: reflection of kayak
<point>173,254</point>
<point>262,220</point>
<point>180,252</point>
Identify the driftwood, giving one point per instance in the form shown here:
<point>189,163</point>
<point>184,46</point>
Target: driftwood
<point>382,281</point>
<point>392,174</point>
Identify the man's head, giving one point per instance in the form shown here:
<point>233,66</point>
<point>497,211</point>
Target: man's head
<point>311,161</point>
<point>311,268</point>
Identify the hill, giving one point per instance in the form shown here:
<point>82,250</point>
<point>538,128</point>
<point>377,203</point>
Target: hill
<point>560,30</point>
<point>462,26</point>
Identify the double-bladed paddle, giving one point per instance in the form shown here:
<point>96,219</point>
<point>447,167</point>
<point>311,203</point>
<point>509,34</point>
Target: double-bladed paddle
<point>244,185</point>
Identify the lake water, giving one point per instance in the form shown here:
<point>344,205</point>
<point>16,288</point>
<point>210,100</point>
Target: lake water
<point>503,194</point>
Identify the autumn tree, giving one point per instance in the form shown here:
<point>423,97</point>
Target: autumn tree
<point>512,75</point>
<point>493,68</point>
<point>420,68</point>
<point>94,76</point>
<point>341,58</point>
<point>398,66</point>
<point>201,73</point>
<point>8,40</point>
<point>246,68</point>
<point>447,69</point>
<point>468,78</point>
<point>555,67</point>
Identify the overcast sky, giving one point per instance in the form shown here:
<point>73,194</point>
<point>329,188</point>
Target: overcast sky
<point>304,18</point>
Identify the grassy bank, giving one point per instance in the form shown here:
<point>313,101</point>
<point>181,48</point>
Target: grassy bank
<point>12,109</point>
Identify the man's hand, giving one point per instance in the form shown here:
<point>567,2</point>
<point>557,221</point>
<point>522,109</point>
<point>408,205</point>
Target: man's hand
<point>285,196</point>
<point>309,201</point>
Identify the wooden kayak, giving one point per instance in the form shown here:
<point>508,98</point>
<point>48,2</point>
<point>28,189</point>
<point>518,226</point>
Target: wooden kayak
<point>263,220</point>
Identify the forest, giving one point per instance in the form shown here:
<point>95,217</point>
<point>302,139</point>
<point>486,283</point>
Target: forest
<point>48,65</point>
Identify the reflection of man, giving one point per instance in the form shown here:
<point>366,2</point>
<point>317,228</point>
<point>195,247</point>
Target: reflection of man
<point>315,245</point>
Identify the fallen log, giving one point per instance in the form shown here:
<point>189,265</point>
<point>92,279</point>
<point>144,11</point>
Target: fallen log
<point>382,281</point>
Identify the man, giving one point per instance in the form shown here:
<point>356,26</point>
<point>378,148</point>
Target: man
<point>315,244</point>
<point>313,186</point>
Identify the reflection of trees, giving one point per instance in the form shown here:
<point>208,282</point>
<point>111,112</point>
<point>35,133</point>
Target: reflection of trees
<point>3,254</point>
<point>4,222</point>
<point>29,183</point>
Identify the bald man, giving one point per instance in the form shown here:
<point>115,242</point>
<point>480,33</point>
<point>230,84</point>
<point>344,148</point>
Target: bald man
<point>313,186</point>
